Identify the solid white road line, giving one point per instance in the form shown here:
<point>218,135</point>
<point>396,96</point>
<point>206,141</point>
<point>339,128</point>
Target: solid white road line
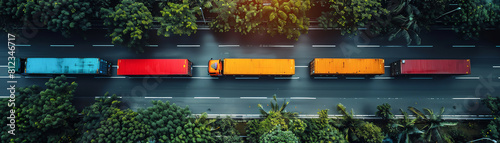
<point>152,46</point>
<point>420,46</point>
<point>280,46</point>
<point>4,97</point>
<point>3,66</point>
<point>382,77</point>
<point>253,97</point>
<point>111,77</point>
<point>393,46</point>
<point>306,98</point>
<point>470,77</point>
<point>62,45</point>
<point>387,66</point>
<point>467,98</point>
<point>188,46</point>
<point>496,67</point>
<point>206,97</point>
<point>12,81</point>
<point>498,46</point>
<point>22,45</point>
<point>106,97</point>
<point>158,97</point>
<point>464,46</point>
<point>325,77</point>
<point>354,77</point>
<point>9,76</point>
<point>223,46</point>
<point>323,46</point>
<point>200,66</point>
<point>103,45</point>
<point>114,66</point>
<point>286,77</point>
<point>246,78</point>
<point>420,77</point>
<point>368,46</point>
<point>301,66</point>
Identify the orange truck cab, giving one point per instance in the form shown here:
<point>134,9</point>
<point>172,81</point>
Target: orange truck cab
<point>215,67</point>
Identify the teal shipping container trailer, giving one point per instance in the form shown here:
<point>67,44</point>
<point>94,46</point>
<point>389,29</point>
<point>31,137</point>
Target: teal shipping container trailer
<point>90,66</point>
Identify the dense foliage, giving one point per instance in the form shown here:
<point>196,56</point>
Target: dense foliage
<point>279,136</point>
<point>224,130</point>
<point>286,17</point>
<point>349,15</point>
<point>177,18</point>
<point>493,130</point>
<point>128,24</point>
<point>473,17</point>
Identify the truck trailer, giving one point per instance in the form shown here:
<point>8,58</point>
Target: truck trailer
<point>174,67</point>
<point>430,67</point>
<point>89,66</point>
<point>343,66</point>
<point>251,67</point>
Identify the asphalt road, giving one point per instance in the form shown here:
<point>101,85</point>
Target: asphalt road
<point>229,95</point>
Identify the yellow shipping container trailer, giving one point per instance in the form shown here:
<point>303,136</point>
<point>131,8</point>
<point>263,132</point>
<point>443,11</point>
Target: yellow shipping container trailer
<point>252,67</point>
<point>341,66</point>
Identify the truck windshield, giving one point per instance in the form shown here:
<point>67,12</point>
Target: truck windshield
<point>214,66</point>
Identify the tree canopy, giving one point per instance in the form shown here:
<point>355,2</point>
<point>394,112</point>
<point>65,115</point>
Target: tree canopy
<point>128,24</point>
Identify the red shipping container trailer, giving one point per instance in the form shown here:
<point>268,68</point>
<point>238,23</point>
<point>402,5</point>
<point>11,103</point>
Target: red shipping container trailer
<point>178,67</point>
<point>430,67</point>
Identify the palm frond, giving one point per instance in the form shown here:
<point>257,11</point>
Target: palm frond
<point>283,106</point>
<point>417,112</point>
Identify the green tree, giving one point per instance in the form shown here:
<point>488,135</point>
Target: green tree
<point>66,16</point>
<point>433,124</point>
<point>128,24</point>
<point>244,16</point>
<point>45,115</point>
<point>406,128</point>
<point>430,11</point>
<point>224,130</point>
<point>197,130</point>
<point>177,18</point>
<point>492,130</point>
<point>367,132</point>
<point>279,136</point>
<point>404,21</point>
<point>384,112</point>
<point>12,15</point>
<point>164,121</point>
<point>121,126</point>
<point>321,130</point>
<point>473,17</point>
<point>93,115</point>
<point>349,15</point>
<point>356,130</point>
<point>288,17</point>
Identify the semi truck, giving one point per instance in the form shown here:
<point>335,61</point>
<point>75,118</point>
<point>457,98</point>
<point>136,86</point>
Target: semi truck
<point>251,67</point>
<point>88,66</point>
<point>431,67</point>
<point>174,67</point>
<point>344,66</point>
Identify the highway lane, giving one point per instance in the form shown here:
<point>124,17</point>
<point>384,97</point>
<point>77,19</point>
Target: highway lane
<point>484,55</point>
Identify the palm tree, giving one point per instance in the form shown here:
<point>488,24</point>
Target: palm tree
<point>348,124</point>
<point>405,22</point>
<point>407,128</point>
<point>384,111</point>
<point>275,108</point>
<point>433,123</point>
